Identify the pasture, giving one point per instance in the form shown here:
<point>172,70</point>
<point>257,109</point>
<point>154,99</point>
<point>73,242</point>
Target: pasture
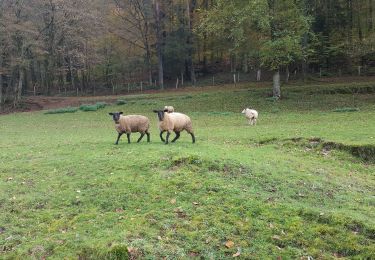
<point>299,184</point>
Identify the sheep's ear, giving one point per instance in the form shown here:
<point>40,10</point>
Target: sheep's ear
<point>121,113</point>
<point>111,114</point>
<point>165,110</point>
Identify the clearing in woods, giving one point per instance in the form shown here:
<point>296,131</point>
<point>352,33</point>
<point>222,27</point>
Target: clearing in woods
<point>300,184</point>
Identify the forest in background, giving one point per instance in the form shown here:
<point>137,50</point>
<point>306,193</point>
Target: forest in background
<point>59,47</point>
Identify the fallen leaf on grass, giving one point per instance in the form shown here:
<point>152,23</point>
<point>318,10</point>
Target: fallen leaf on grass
<point>178,210</point>
<point>193,254</point>
<point>133,253</point>
<point>276,237</point>
<point>195,203</point>
<point>238,253</point>
<point>229,244</point>
<point>173,201</point>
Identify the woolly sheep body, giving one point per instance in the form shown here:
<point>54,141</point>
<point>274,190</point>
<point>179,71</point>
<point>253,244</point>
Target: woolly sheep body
<point>169,108</point>
<point>131,124</point>
<point>174,122</point>
<point>251,115</point>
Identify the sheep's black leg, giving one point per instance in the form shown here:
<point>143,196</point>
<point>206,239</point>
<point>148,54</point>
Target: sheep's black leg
<point>118,137</point>
<point>161,136</point>
<point>128,135</point>
<point>177,136</point>
<point>140,138</point>
<point>192,137</point>
<point>167,138</point>
<point>148,137</point>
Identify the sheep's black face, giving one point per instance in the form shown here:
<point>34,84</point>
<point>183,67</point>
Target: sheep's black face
<point>116,116</point>
<point>160,114</point>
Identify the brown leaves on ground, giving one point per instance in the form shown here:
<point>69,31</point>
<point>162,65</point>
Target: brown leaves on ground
<point>229,244</point>
<point>180,212</point>
<point>134,253</point>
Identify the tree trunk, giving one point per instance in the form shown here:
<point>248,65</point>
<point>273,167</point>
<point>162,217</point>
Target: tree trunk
<point>359,24</point>
<point>245,66</point>
<point>349,7</point>
<point>259,74</point>
<point>72,75</point>
<point>190,42</point>
<point>304,62</point>
<point>287,74</point>
<point>41,75</point>
<point>149,65</point>
<point>1,81</point>
<point>48,76</point>
<point>159,44</point>
<point>18,88</point>
<point>276,85</point>
<point>371,19</point>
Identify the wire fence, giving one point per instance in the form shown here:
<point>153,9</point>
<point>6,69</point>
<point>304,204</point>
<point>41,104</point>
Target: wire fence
<point>138,85</point>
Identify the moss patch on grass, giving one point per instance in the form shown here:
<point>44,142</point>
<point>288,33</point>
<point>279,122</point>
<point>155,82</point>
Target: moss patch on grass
<point>62,110</point>
<point>93,107</point>
<point>121,102</point>
<point>346,109</point>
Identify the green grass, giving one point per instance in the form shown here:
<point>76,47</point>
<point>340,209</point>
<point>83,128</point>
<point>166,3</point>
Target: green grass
<point>294,186</point>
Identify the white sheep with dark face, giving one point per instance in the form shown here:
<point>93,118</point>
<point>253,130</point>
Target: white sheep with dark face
<point>251,115</point>
<point>173,122</point>
<point>131,124</point>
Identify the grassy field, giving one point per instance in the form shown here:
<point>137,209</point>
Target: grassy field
<point>300,184</point>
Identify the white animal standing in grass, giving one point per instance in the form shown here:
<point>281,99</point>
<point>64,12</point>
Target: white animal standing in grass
<point>131,124</point>
<point>251,115</point>
<point>170,109</point>
<point>176,122</point>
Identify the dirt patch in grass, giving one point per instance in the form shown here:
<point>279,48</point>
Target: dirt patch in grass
<point>227,168</point>
<point>114,252</point>
<point>366,89</point>
<point>366,153</point>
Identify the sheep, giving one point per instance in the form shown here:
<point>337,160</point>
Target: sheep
<point>176,122</point>
<point>131,124</point>
<point>169,109</point>
<point>251,115</point>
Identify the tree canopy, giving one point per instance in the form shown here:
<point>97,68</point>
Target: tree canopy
<point>77,47</point>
